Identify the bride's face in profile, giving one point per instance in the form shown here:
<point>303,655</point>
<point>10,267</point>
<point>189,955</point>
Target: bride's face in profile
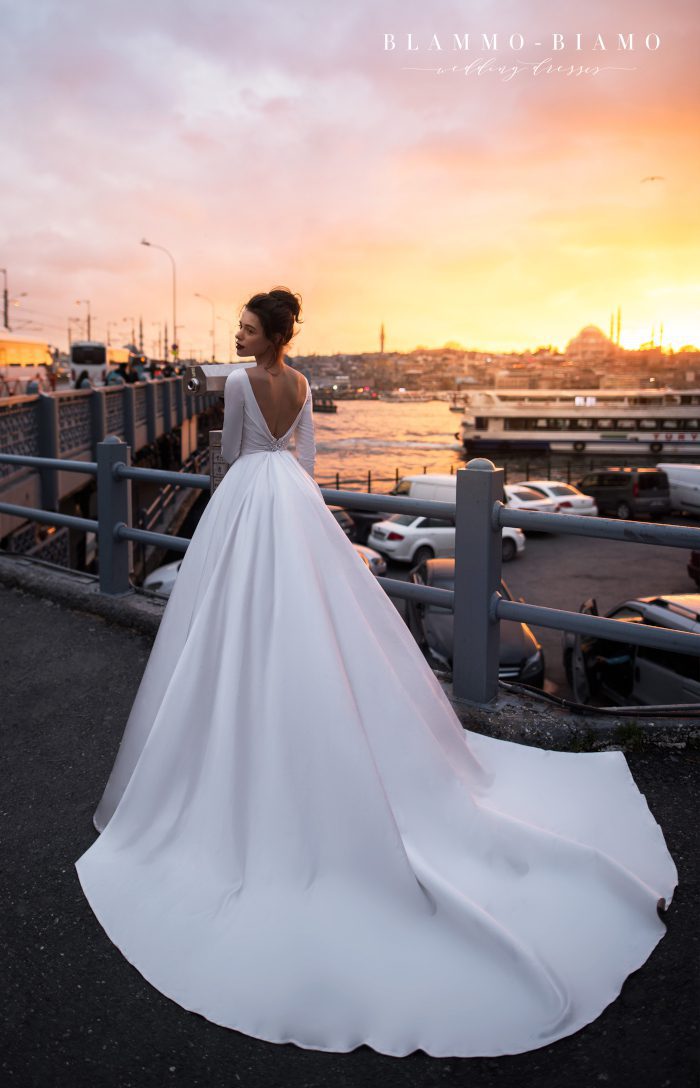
<point>250,338</point>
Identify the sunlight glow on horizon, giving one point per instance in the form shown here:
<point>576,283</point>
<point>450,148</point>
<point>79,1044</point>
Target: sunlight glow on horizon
<point>278,144</point>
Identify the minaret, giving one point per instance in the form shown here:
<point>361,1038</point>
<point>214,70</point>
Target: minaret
<point>141,335</point>
<point>381,340</point>
<point>619,325</point>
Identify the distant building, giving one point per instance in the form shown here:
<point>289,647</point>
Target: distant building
<point>590,346</point>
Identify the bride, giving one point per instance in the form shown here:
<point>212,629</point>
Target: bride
<point>298,839</point>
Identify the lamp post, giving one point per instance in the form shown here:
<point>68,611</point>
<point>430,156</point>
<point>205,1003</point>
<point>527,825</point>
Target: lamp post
<point>5,302</point>
<point>230,335</point>
<point>213,324</point>
<point>153,245</point>
<point>86,302</point>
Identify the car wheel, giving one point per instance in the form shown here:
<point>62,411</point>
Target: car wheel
<point>508,550</point>
<point>624,511</point>
<point>421,555</point>
<point>579,446</point>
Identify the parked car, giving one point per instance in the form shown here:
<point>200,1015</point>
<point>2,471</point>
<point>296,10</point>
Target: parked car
<point>522,497</point>
<point>694,567</point>
<point>569,499</point>
<point>364,520</point>
<point>684,484</point>
<point>375,561</point>
<point>440,486</point>
<point>411,538</point>
<point>628,492</point>
<point>521,658</point>
<point>620,673</point>
<point>162,579</point>
<point>345,521</point>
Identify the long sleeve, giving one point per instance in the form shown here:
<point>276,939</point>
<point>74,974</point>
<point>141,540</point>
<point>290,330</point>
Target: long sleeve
<point>232,433</point>
<point>304,437</point>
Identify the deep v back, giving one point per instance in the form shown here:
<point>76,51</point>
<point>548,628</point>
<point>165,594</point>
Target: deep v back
<point>276,437</point>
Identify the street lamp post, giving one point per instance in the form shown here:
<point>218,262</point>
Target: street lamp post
<point>153,245</point>
<point>213,324</point>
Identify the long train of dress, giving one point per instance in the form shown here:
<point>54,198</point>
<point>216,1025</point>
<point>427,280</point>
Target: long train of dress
<point>299,841</point>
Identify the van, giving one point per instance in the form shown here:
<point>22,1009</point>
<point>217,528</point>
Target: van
<point>684,483</point>
<point>440,486</point>
<point>627,492</point>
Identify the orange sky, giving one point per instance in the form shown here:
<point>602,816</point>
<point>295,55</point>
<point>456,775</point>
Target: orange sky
<point>280,143</point>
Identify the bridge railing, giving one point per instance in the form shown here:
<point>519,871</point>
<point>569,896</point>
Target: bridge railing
<point>479,515</point>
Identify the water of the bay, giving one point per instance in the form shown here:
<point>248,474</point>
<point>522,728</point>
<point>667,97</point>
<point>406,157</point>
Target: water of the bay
<point>386,437</point>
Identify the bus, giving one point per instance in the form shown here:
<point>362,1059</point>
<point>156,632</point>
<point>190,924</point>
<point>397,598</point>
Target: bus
<point>96,359</point>
<point>25,361</point>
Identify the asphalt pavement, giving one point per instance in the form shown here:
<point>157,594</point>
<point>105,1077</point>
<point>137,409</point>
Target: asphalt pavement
<point>76,1013</point>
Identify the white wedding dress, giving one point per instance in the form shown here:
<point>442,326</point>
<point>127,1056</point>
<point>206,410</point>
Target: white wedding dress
<point>301,842</point>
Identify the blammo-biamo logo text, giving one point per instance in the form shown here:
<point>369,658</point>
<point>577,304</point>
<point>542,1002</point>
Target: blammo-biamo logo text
<point>499,42</point>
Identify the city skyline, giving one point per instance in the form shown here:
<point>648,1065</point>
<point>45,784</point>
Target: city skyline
<point>283,144</point>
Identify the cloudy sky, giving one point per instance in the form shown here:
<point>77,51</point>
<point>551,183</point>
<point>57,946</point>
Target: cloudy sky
<point>491,194</point>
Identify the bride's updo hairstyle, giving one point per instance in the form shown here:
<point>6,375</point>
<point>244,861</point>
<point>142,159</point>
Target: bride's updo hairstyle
<point>277,310</point>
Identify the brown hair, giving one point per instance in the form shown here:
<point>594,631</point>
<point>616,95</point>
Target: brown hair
<point>277,311</point>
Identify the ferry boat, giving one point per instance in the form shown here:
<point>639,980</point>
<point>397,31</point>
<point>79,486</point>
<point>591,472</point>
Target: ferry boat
<point>582,420</point>
<point>321,402</point>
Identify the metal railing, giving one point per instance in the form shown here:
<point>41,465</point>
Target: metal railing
<point>479,515</point>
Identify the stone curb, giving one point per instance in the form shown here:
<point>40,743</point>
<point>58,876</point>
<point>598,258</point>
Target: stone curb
<point>528,719</point>
<point>139,610</point>
<point>523,717</point>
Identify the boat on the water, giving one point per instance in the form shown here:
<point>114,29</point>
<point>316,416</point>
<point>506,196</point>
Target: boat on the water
<point>321,402</point>
<point>605,421</point>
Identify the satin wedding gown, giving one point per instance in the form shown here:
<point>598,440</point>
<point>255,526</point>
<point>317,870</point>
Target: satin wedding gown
<point>299,840</point>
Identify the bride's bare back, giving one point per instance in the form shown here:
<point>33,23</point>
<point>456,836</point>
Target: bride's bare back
<point>280,396</point>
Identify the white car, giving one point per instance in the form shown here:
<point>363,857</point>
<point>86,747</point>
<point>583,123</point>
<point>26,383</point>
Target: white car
<point>409,538</point>
<point>162,579</point>
<point>375,561</point>
<point>568,498</point>
<point>524,497</point>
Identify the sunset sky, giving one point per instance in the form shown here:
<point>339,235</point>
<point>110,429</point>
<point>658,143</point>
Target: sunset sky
<point>265,142</point>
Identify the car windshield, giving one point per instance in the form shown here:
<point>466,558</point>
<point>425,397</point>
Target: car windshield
<point>563,489</point>
<point>403,519</point>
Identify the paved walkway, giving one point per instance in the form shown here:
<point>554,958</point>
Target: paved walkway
<point>75,1013</point>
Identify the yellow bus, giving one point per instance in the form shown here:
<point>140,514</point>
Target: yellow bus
<point>25,361</point>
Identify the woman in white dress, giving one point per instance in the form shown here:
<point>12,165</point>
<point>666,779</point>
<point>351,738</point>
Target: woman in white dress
<point>299,841</point>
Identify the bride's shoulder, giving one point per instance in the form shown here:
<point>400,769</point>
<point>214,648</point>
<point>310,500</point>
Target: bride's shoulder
<point>301,380</point>
<point>234,375</point>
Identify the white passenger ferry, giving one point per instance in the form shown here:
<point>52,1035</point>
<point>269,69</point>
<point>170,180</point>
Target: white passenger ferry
<point>582,420</point>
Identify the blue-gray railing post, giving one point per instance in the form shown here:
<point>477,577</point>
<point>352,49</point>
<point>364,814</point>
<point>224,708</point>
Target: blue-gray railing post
<point>49,446</point>
<point>478,548</point>
<point>113,509</point>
